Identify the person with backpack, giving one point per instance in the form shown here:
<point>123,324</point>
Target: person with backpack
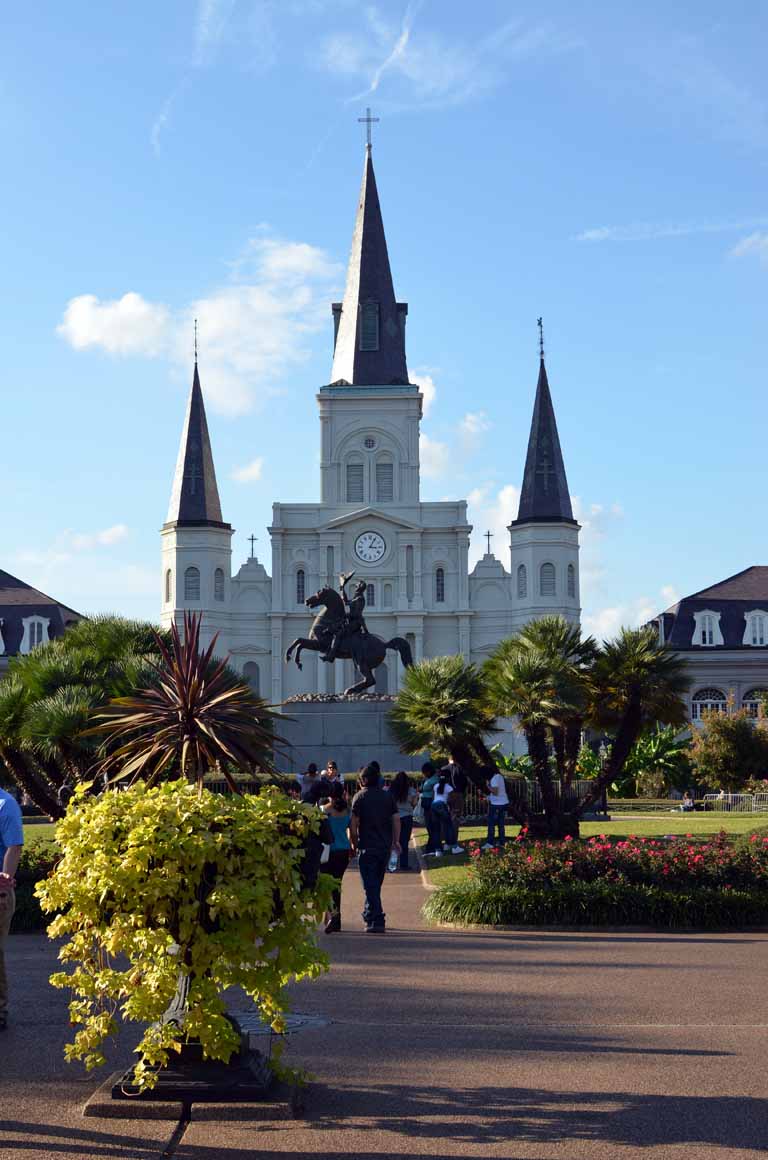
<point>441,814</point>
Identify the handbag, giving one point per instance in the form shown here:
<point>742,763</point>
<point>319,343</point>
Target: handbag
<point>418,813</point>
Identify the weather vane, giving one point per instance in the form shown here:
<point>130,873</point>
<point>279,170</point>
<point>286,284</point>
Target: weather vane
<point>540,325</point>
<point>368,120</point>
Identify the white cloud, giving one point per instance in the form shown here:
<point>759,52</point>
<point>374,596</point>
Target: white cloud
<point>756,243</point>
<point>650,231</point>
<point>84,541</point>
<point>607,622</point>
<point>252,330</point>
<point>127,325</point>
<point>435,457</point>
<point>431,69</point>
<point>250,473</point>
<point>491,509</point>
<point>670,595</point>
<point>212,19</point>
<point>426,383</point>
<point>472,428</point>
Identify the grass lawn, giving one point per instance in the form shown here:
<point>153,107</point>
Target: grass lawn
<point>452,868</point>
<point>37,831</point>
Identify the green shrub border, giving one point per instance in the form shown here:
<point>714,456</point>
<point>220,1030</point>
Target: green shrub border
<point>597,904</point>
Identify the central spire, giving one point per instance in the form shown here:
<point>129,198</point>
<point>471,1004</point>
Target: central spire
<point>370,325</point>
<point>195,496</point>
<point>544,495</point>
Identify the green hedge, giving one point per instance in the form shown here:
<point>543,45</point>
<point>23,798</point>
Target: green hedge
<point>37,861</point>
<point>597,904</point>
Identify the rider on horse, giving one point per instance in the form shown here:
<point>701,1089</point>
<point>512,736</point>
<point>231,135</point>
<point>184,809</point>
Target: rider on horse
<point>353,623</point>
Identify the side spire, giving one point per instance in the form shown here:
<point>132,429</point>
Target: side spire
<point>370,325</point>
<point>194,495</point>
<point>544,495</point>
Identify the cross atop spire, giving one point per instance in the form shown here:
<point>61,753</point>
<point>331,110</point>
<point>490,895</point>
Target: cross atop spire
<point>368,120</point>
<point>195,342</point>
<point>540,325</point>
<point>489,537</point>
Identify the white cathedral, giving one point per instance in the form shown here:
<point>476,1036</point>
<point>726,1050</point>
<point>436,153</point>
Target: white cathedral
<point>370,518</point>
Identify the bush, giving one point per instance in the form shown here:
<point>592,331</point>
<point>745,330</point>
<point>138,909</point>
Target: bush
<point>36,864</point>
<point>682,883</point>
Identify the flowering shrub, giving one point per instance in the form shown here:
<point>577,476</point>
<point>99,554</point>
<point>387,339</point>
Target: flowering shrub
<point>650,881</point>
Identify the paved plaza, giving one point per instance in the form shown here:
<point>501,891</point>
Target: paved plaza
<point>441,1043</point>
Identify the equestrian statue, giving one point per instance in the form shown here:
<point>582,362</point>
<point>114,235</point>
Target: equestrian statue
<point>339,632</point>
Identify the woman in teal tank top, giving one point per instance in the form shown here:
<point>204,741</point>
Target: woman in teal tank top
<point>337,812</point>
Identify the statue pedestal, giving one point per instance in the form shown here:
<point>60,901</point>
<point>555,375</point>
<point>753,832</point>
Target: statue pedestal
<point>348,730</point>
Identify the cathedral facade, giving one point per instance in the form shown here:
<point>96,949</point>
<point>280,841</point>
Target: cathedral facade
<point>370,517</point>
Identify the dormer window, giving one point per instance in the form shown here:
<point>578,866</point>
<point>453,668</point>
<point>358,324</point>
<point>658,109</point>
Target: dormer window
<point>756,630</point>
<point>706,632</point>
<point>369,326</point>
<point>35,633</point>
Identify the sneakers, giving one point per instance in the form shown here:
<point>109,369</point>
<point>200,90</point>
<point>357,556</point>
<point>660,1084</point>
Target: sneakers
<point>333,925</point>
<point>457,850</point>
<point>488,846</point>
<point>372,928</point>
<point>434,854</point>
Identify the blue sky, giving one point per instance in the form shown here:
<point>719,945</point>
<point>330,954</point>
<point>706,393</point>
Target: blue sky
<point>600,164</point>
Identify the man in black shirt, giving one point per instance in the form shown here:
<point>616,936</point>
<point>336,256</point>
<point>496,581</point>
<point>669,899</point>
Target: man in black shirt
<point>374,831</point>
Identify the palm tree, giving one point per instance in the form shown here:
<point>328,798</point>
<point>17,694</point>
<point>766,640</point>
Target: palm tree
<point>441,709</point>
<point>634,682</point>
<point>50,695</point>
<point>194,715</point>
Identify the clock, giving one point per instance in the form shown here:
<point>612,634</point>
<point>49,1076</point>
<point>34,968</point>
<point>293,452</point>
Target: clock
<point>370,547</point>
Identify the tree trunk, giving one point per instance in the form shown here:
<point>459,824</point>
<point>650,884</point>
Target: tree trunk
<point>554,821</point>
<point>627,734</point>
<point>556,825</point>
<point>572,748</point>
<point>32,782</point>
<point>558,745</point>
<point>467,760</point>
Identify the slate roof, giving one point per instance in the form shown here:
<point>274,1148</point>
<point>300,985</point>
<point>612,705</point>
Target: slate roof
<point>18,600</point>
<point>733,598</point>
<point>195,495</point>
<point>369,279</point>
<point>544,495</point>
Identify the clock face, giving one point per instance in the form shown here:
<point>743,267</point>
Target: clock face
<point>370,547</point>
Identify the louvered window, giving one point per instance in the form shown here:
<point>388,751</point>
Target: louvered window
<point>385,482</point>
<point>571,580</point>
<point>522,582</point>
<point>300,586</point>
<point>369,326</point>
<point>218,584</point>
<point>547,580</point>
<point>192,584</point>
<point>168,586</point>
<point>354,483</point>
<point>440,586</point>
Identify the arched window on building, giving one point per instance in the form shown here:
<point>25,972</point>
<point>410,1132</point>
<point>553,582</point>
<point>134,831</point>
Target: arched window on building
<point>708,701</point>
<point>168,586</point>
<point>252,677</point>
<point>355,482</point>
<point>385,481</point>
<point>370,596</point>
<point>409,572</point>
<point>218,584</point>
<point>192,584</point>
<point>522,582</point>
<point>547,580</point>
<point>440,585</point>
<point>387,595</point>
<point>754,701</point>
<point>571,581</point>
<point>369,326</point>
<point>300,586</point>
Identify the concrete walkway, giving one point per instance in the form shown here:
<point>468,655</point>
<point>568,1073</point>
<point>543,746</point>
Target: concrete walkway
<point>537,1046</point>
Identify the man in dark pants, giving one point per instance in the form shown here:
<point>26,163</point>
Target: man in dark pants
<point>374,832</point>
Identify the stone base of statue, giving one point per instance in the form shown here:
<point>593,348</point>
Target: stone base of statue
<point>350,730</point>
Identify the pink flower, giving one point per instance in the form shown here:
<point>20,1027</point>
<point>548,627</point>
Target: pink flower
<point>568,838</point>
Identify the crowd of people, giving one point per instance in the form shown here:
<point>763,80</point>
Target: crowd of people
<point>376,820</point>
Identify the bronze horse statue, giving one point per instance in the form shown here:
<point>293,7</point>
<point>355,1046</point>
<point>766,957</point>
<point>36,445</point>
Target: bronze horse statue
<point>364,648</point>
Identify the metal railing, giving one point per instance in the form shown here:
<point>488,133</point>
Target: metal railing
<point>736,803</point>
<point>520,789</point>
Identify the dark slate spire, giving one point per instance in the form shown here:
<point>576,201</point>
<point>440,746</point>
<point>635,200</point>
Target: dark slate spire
<point>370,325</point>
<point>545,488</point>
<point>195,496</point>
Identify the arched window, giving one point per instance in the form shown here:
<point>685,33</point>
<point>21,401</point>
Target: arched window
<point>252,677</point>
<point>300,586</point>
<point>387,595</point>
<point>329,572</point>
<point>168,586</point>
<point>571,580</point>
<point>708,701</point>
<point>547,580</point>
<point>409,572</point>
<point>370,596</point>
<point>753,700</point>
<point>218,584</point>
<point>355,483</point>
<point>385,482</point>
<point>440,586</point>
<point>522,582</point>
<point>192,584</point>
<point>369,326</point>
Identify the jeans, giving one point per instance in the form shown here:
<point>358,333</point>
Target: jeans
<point>433,827</point>
<point>443,824</point>
<point>406,828</point>
<point>373,867</point>
<point>496,815</point>
<point>338,860</point>
<point>7,907</point>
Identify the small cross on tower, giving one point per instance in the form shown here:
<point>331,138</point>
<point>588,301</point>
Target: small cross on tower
<point>252,540</point>
<point>195,340</point>
<point>540,325</point>
<point>489,537</point>
<point>368,120</point>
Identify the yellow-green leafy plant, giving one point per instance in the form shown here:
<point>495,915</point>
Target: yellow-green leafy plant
<point>174,881</point>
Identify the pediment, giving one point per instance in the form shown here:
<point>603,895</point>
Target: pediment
<point>371,513</point>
